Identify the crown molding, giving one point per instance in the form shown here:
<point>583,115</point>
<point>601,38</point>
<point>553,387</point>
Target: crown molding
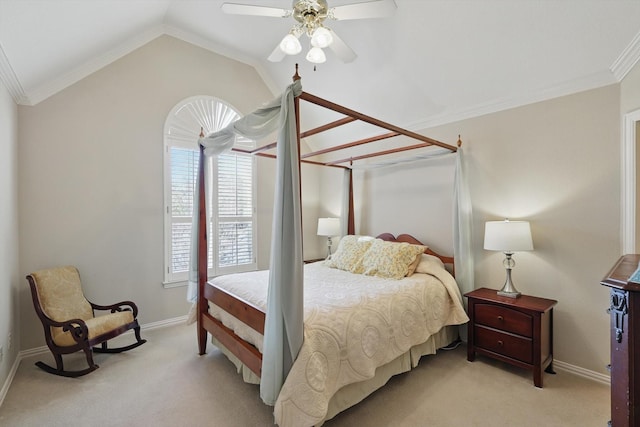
<point>10,80</point>
<point>46,90</point>
<point>618,70</point>
<point>627,59</point>
<point>593,81</point>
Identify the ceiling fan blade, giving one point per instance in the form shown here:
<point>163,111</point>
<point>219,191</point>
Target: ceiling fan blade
<point>246,9</point>
<point>277,55</point>
<point>340,48</point>
<point>366,10</point>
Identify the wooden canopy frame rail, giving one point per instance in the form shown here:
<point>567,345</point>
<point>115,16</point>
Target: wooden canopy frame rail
<point>243,310</point>
<point>351,116</point>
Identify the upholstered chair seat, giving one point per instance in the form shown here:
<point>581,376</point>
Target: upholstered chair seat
<point>69,321</point>
<point>97,326</point>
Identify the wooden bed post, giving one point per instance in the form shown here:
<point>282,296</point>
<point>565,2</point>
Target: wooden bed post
<point>202,304</point>
<point>351,222</point>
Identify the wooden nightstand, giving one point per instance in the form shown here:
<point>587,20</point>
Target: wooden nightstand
<point>518,331</point>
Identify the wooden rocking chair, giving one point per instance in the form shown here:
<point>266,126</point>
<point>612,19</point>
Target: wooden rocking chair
<point>69,322</point>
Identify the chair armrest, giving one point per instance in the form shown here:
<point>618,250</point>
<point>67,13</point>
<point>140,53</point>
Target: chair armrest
<point>77,327</point>
<point>120,306</point>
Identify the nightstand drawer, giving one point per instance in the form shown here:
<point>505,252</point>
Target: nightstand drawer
<point>504,318</point>
<point>505,344</point>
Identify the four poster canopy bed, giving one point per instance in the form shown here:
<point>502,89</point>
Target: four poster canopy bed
<point>320,337</point>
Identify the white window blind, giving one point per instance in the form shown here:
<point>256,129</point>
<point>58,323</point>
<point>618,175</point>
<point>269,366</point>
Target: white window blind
<point>235,210</point>
<point>231,197</point>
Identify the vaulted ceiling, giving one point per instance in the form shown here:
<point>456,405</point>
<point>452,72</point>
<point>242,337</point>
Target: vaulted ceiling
<point>432,61</point>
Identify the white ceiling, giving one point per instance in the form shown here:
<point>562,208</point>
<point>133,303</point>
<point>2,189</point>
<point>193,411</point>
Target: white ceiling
<point>432,62</point>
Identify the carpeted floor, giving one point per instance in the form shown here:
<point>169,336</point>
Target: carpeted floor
<point>165,383</point>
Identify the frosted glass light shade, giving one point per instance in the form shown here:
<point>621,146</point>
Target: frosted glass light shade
<point>316,55</point>
<point>507,236</point>
<point>290,45</point>
<point>328,227</point>
<point>321,38</point>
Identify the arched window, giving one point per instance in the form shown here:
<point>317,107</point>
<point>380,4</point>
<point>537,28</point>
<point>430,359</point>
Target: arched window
<point>231,196</point>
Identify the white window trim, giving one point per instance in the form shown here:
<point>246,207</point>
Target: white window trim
<point>182,128</point>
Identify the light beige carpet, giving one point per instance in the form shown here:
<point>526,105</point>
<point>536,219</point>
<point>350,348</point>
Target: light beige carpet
<point>165,383</point>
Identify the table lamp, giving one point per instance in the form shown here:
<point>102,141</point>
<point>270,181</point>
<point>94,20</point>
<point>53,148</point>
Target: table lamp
<point>508,237</point>
<point>328,227</point>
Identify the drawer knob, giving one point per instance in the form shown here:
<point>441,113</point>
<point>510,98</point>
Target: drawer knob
<point>500,318</point>
<point>500,343</point>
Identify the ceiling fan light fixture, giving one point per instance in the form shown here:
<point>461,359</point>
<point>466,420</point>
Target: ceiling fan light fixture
<point>321,37</point>
<point>316,55</point>
<point>290,45</point>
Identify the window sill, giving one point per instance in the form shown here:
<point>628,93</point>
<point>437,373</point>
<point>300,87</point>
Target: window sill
<point>178,284</point>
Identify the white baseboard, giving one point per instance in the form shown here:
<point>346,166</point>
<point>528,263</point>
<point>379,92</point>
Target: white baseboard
<point>7,383</point>
<point>164,323</point>
<point>44,349</point>
<point>582,372</point>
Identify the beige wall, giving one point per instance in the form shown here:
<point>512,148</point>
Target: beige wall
<point>554,163</point>
<point>91,175</point>
<point>90,189</point>
<point>10,283</point>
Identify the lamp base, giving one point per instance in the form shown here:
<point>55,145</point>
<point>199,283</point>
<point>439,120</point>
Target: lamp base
<point>508,290</point>
<point>328,248</point>
<point>508,294</point>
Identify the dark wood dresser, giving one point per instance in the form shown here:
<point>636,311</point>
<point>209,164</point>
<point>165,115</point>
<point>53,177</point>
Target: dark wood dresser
<point>518,331</point>
<point>624,309</point>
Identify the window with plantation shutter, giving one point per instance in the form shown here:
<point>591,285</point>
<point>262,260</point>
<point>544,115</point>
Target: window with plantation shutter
<point>230,197</point>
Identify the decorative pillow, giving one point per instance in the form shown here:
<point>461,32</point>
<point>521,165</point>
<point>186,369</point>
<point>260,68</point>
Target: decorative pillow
<point>413,266</point>
<point>349,254</point>
<point>390,259</point>
<point>428,263</point>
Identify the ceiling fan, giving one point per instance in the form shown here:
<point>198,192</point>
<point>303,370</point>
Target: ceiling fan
<point>310,16</point>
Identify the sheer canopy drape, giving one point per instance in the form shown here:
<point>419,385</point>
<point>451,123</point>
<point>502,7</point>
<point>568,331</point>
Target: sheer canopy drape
<point>462,211</point>
<point>462,227</point>
<point>283,325</point>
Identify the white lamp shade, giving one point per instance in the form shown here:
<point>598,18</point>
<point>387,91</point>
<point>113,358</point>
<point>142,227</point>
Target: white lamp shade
<point>321,38</point>
<point>507,236</point>
<point>290,45</point>
<point>328,227</point>
<point>316,55</point>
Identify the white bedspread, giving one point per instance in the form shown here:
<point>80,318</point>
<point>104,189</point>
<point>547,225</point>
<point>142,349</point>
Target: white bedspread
<point>352,325</point>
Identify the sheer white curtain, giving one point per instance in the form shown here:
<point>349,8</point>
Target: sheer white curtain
<point>462,212</point>
<point>462,227</point>
<point>283,333</point>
